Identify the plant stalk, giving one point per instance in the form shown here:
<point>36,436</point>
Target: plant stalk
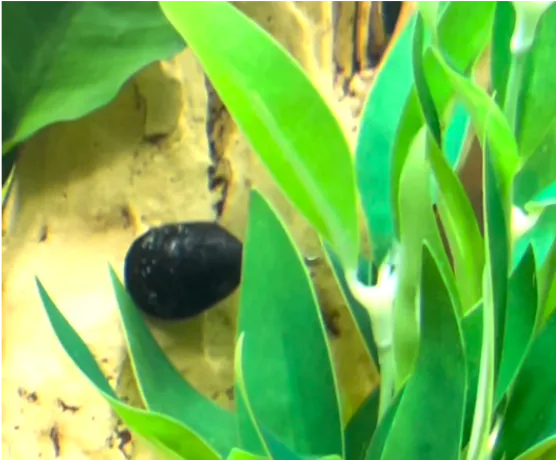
<point>378,301</point>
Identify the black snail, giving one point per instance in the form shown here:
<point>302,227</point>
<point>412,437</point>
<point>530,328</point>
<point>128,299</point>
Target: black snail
<point>177,271</point>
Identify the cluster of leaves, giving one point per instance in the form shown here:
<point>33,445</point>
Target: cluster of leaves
<point>474,355</point>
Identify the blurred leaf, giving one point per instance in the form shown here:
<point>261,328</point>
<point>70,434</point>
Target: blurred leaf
<point>430,415</point>
<point>454,207</point>
<point>429,12</point>
<point>391,119</point>
<point>521,315</point>
<point>238,454</point>
<point>157,428</point>
<point>543,199</point>
<point>530,419</point>
<point>472,326</point>
<point>361,427</point>
<point>358,312</point>
<point>63,60</point>
<point>161,386</point>
<point>283,117</point>
<point>288,369</point>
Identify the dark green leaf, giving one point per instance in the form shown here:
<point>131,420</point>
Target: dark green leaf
<point>288,370</point>
<point>361,427</point>
<point>429,420</point>
<point>161,430</point>
<point>503,28</point>
<point>162,388</point>
<point>521,315</point>
<point>530,419</point>
<point>281,113</point>
<point>382,430</point>
<point>472,326</point>
<point>65,59</point>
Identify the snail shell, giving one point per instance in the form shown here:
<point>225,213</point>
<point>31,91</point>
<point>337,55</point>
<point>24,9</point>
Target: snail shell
<point>177,271</point>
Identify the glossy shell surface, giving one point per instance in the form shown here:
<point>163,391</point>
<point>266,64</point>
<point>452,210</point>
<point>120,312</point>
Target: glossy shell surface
<point>177,271</point>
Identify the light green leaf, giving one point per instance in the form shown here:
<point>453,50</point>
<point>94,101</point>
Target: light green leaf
<point>281,113</point>
<point>63,60</point>
<point>157,428</point>
<point>429,11</point>
<point>429,418</point>
<point>288,370</point>
<point>161,386</point>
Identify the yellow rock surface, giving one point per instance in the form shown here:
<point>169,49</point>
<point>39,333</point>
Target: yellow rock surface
<point>85,189</point>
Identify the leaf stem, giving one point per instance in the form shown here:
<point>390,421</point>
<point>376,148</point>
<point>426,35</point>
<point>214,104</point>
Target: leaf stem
<point>379,301</point>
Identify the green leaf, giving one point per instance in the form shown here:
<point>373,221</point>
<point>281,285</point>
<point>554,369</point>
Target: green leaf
<point>521,315</point>
<point>463,34</point>
<point>472,326</point>
<point>429,12</point>
<point>530,420</point>
<point>162,387</point>
<point>430,415</point>
<point>238,454</point>
<point>358,312</point>
<point>361,427</point>
<point>288,369</point>
<point>417,224</point>
<point>382,431</point>
<point>541,237</point>
<point>454,207</point>
<point>390,118</point>
<point>281,113</point>
<point>159,429</point>
<point>63,60</point>
<point>502,31</point>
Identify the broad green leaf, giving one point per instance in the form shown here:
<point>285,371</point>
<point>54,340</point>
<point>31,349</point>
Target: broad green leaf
<point>161,386</point>
<point>65,59</point>
<point>288,369</point>
<point>361,427</point>
<point>454,207</point>
<point>429,418</point>
<point>281,113</point>
<point>530,419</point>
<point>157,428</point>
<point>521,315</point>
<point>472,326</point>
<point>272,446</point>
<point>358,312</point>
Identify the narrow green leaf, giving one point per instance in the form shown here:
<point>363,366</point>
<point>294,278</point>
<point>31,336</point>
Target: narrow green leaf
<point>463,34</point>
<point>541,237</point>
<point>521,315</point>
<point>360,429</point>
<point>157,428</point>
<point>288,369</point>
<point>502,31</point>
<point>382,431</point>
<point>64,60</point>
<point>358,312</point>
<point>430,416</point>
<point>238,454</point>
<point>417,224</point>
<point>472,326</point>
<point>281,113</point>
<point>161,386</point>
<point>429,11</point>
<point>391,119</point>
<point>530,420</point>
<point>455,209</point>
